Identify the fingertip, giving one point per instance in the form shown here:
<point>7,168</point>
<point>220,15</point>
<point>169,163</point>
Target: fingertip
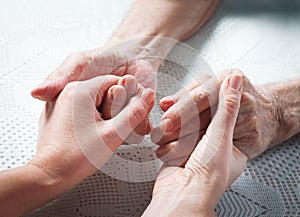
<point>148,96</point>
<point>165,103</point>
<point>118,94</point>
<point>129,82</point>
<point>43,92</point>
<point>114,101</point>
<point>235,82</point>
<point>48,89</point>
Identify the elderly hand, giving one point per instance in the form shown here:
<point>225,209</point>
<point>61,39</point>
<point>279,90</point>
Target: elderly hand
<point>257,126</point>
<point>84,65</point>
<point>139,57</point>
<point>214,164</point>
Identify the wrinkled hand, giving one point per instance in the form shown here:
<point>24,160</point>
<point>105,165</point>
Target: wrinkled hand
<point>126,58</point>
<point>74,139</point>
<point>214,164</point>
<point>256,126</point>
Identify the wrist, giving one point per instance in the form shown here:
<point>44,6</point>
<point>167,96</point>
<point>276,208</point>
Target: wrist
<point>152,49</point>
<point>286,99</point>
<point>61,170</point>
<point>24,189</point>
<point>166,207</point>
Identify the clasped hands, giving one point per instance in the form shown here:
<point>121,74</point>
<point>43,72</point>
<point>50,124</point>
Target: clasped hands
<point>108,110</point>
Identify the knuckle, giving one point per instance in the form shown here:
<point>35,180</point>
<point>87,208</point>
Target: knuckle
<point>231,103</point>
<point>137,113</point>
<point>200,97</point>
<point>248,101</point>
<point>79,60</point>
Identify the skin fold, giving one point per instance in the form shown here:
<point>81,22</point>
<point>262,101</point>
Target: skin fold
<point>269,114</point>
<point>196,188</point>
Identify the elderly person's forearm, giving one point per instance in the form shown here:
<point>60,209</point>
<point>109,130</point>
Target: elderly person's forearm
<point>175,19</point>
<point>287,98</point>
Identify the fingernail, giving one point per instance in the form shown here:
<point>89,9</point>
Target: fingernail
<point>148,96</point>
<point>166,125</point>
<point>235,82</point>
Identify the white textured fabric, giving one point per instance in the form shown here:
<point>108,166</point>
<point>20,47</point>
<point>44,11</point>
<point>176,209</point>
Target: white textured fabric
<point>259,37</point>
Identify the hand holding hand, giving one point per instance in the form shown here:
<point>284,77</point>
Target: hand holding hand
<point>257,124</point>
<point>122,59</point>
<point>74,139</point>
<point>214,164</point>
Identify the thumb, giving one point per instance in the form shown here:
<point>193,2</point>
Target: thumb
<point>219,135</point>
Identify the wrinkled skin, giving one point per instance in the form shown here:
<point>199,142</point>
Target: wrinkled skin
<point>196,188</point>
<point>256,128</point>
<point>83,65</point>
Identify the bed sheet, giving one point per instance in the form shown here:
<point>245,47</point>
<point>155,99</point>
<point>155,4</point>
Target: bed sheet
<point>259,37</point>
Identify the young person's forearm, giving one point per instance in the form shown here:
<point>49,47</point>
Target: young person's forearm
<point>174,19</point>
<point>23,189</point>
<point>287,101</point>
<point>28,187</point>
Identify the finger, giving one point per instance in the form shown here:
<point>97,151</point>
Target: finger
<point>140,131</point>
<point>180,148</point>
<point>113,101</point>
<point>79,66</point>
<point>131,116</point>
<point>48,90</point>
<point>197,123</point>
<point>203,94</point>
<point>189,105</point>
<point>95,88</point>
<point>218,138</point>
<point>166,102</point>
<point>130,84</point>
<point>68,71</point>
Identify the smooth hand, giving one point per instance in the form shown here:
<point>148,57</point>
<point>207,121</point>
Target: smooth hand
<point>74,139</point>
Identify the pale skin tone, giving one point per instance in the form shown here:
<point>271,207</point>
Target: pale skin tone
<point>62,160</point>
<point>195,188</point>
<point>39,178</point>
<point>269,114</point>
<point>177,20</point>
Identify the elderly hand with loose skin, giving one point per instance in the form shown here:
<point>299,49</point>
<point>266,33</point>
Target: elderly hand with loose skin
<point>176,20</point>
<point>269,114</point>
<point>196,188</point>
<point>74,140</point>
